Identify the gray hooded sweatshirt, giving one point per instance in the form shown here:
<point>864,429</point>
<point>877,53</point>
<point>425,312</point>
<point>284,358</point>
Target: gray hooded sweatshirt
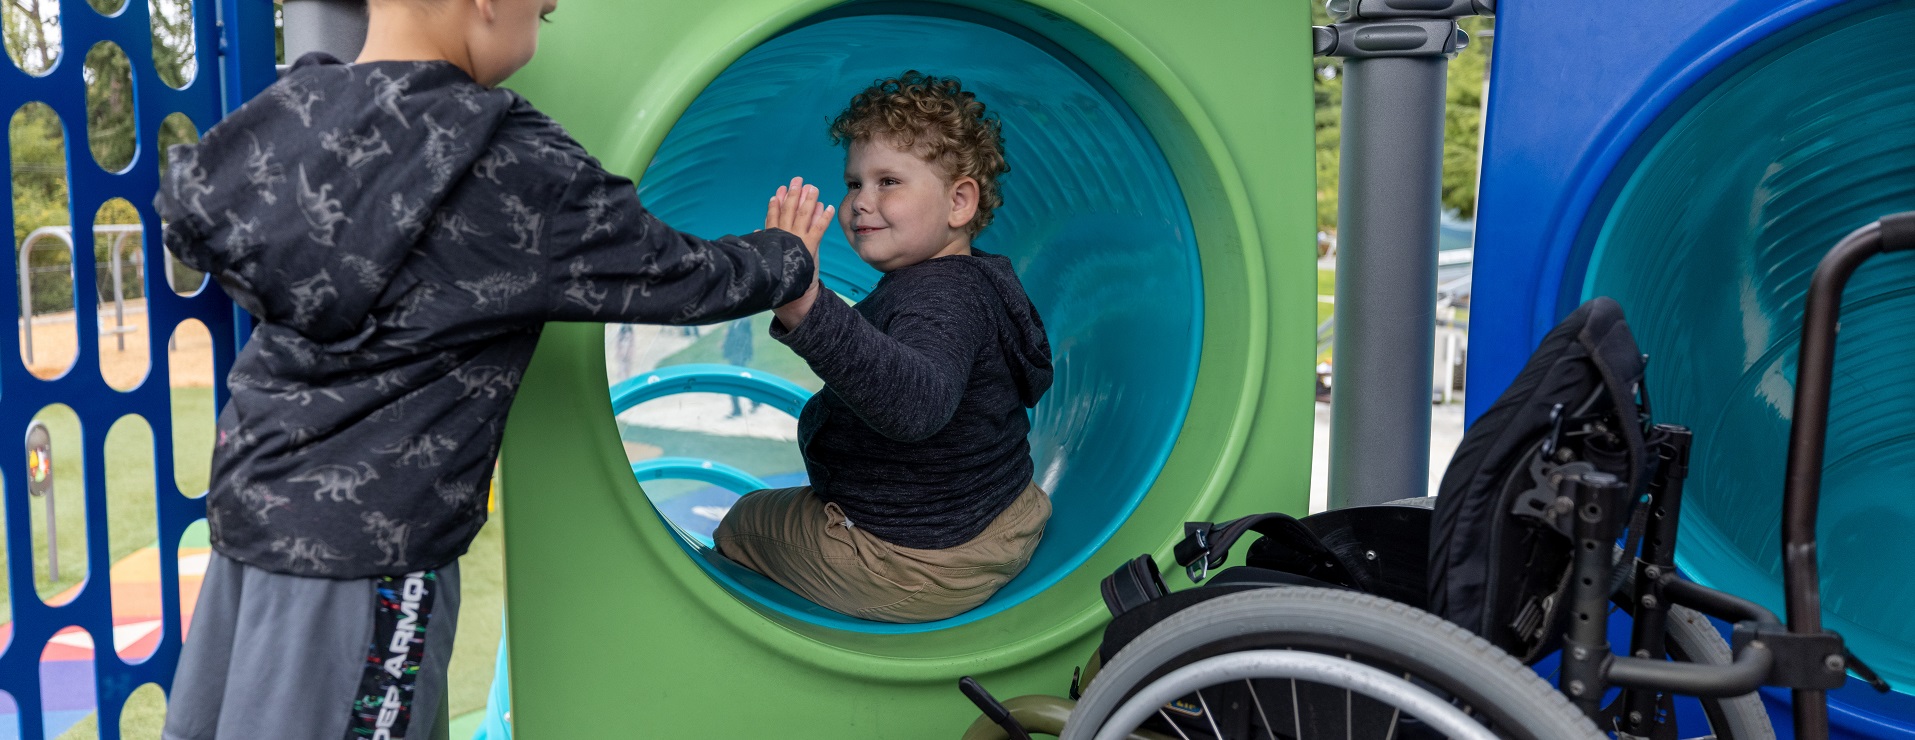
<point>401,234</point>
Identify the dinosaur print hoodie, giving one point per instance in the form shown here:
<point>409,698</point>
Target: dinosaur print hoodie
<point>401,234</point>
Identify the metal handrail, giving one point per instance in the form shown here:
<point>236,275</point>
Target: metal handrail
<point>65,234</point>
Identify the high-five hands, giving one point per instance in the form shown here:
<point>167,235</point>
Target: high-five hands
<point>795,209</point>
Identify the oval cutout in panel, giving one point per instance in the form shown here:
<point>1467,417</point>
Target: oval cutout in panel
<point>110,120</point>
<point>43,240</point>
<point>56,489</point>
<point>132,534</point>
<point>38,25</point>
<point>189,361</point>
<point>144,713</point>
<point>67,688</point>
<point>174,56</point>
<point>174,130</point>
<point>119,256</point>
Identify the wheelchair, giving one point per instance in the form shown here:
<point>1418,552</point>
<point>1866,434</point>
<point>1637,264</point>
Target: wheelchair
<point>1323,632</point>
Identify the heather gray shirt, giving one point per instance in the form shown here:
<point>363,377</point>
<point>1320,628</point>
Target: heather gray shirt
<point>401,234</point>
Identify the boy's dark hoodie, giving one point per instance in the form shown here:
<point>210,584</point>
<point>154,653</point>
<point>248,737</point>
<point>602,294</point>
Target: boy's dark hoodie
<point>401,234</point>
<point>920,434</point>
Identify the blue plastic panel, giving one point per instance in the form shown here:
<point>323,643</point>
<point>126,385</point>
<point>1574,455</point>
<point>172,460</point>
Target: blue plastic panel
<point>1093,220</point>
<point>1572,94</point>
<point>225,78</point>
<point>1694,160</point>
<point>1711,244</point>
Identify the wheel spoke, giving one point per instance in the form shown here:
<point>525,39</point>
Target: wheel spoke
<point>1267,728</point>
<point>1396,713</point>
<point>1173,724</point>
<point>1296,712</point>
<point>1208,716</point>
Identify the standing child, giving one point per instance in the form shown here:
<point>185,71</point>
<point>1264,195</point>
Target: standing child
<point>401,230</point>
<point>921,503</point>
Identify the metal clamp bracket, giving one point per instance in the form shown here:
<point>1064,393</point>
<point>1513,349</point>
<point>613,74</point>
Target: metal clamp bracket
<point>1361,10</point>
<point>1804,661</point>
<point>1392,38</point>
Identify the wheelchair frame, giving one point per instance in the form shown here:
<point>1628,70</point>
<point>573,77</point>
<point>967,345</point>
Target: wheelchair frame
<point>1799,655</point>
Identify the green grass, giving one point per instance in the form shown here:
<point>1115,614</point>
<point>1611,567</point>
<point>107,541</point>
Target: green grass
<point>481,609</point>
<point>1326,286</point>
<point>766,354</point>
<point>141,718</point>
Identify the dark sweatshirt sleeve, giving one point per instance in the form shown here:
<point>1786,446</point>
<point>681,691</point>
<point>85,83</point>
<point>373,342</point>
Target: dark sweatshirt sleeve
<point>614,261</point>
<point>905,384</point>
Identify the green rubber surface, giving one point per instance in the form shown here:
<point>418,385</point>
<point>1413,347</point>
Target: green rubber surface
<point>616,631</point>
<point>1710,246</point>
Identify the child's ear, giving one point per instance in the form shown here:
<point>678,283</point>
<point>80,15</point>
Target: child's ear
<point>964,195</point>
<point>486,11</point>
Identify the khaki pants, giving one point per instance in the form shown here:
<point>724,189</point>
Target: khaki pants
<point>802,543</point>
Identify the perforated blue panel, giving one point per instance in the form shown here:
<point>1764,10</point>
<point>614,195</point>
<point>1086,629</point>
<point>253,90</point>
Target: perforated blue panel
<point>235,62</point>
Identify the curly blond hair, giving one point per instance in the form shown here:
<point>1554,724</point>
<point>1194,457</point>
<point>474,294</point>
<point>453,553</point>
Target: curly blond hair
<point>938,120</point>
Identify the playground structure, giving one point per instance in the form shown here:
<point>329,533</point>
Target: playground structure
<point>1139,172</point>
<point>1613,187</point>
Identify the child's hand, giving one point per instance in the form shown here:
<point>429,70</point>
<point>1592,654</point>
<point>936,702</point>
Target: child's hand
<point>795,209</point>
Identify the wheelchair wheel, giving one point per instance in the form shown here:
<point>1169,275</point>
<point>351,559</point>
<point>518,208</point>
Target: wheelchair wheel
<point>1692,639</point>
<point>1429,658</point>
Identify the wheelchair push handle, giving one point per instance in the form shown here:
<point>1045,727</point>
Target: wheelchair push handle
<point>1808,435</point>
<point>1808,440</point>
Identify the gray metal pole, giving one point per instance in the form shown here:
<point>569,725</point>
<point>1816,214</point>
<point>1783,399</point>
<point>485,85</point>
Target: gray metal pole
<point>119,293</point>
<point>1390,185</point>
<point>26,298</point>
<point>337,27</point>
<point>1396,53</point>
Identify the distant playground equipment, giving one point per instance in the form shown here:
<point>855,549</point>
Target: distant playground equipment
<point>1708,155</point>
<point>1454,258</point>
<point>1147,206</point>
<point>64,235</point>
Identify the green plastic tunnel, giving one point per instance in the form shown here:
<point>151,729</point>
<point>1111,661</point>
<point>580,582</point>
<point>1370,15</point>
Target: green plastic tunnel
<point>1710,242</point>
<point>1161,217</point>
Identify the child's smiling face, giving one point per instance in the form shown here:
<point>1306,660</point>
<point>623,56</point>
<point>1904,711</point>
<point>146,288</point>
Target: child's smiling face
<point>899,210</point>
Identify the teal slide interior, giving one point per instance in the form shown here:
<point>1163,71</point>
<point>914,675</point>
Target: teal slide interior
<point>1710,245</point>
<point>1093,219</point>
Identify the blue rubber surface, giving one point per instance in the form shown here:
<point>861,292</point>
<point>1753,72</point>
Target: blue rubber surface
<point>1707,154</point>
<point>1093,220</point>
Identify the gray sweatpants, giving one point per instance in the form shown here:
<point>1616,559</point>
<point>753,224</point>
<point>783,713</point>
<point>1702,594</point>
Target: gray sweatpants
<point>283,657</point>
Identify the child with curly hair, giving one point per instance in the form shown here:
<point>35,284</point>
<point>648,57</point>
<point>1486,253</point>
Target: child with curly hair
<point>921,503</point>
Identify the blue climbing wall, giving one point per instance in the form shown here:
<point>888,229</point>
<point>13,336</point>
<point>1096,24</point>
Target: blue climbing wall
<point>1694,159</point>
<point>234,44</point>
